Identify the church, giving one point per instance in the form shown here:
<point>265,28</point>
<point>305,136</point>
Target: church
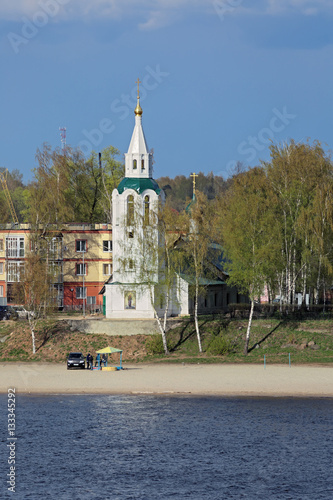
<point>134,291</point>
<point>129,294</point>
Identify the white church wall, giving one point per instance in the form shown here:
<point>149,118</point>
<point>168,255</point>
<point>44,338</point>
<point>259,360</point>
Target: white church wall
<point>128,302</point>
<point>179,298</point>
<point>129,240</point>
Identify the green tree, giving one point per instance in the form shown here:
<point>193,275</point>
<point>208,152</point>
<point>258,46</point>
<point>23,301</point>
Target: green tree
<point>179,189</point>
<point>197,226</point>
<point>66,187</point>
<point>112,172</point>
<point>16,188</point>
<point>171,260</point>
<point>248,235</point>
<point>35,290</point>
<point>301,178</point>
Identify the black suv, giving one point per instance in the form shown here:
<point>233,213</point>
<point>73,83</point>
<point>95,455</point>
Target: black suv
<point>75,360</point>
<point>8,312</point>
<point>3,312</point>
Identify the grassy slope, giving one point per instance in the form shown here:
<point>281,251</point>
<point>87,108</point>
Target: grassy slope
<point>276,340</point>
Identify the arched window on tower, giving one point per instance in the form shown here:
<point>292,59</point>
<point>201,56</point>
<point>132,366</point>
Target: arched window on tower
<point>142,164</point>
<point>146,210</point>
<point>135,164</point>
<point>130,210</point>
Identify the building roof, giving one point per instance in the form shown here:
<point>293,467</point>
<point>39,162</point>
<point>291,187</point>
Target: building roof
<point>191,204</point>
<point>138,142</point>
<point>138,184</point>
<point>202,280</point>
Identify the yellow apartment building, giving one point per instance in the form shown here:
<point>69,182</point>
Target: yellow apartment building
<point>80,255</point>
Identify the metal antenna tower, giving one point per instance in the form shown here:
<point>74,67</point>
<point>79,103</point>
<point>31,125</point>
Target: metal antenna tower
<point>63,137</point>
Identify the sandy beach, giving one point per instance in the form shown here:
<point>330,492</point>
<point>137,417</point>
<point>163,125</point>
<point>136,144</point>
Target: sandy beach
<point>227,380</point>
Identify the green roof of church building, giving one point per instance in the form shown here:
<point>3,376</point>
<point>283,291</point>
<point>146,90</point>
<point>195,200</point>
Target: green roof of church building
<point>138,184</point>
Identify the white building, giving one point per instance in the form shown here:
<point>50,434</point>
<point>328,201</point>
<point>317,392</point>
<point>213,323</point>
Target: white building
<point>135,234</point>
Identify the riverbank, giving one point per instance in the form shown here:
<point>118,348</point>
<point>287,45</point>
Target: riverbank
<point>221,380</point>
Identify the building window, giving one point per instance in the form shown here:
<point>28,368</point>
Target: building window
<point>14,269</point>
<point>146,210</point>
<point>131,264</point>
<point>81,245</point>
<point>107,269</point>
<point>142,164</point>
<point>1,267</point>
<point>131,234</point>
<point>55,249</point>
<point>135,164</point>
<point>81,269</point>
<point>1,290</point>
<point>216,299</point>
<point>15,246</point>
<point>91,301</point>
<point>81,293</point>
<point>107,246</point>
<point>130,210</point>
<point>1,245</point>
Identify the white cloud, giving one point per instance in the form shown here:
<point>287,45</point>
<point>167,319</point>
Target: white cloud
<point>275,7</point>
<point>305,7</point>
<point>61,9</point>
<point>15,9</point>
<point>156,19</point>
<point>152,14</point>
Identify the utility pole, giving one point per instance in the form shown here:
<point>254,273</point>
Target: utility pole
<point>84,293</point>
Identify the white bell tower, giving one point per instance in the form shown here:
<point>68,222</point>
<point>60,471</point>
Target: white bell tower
<point>135,203</point>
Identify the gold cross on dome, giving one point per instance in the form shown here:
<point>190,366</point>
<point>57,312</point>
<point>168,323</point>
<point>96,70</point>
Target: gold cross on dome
<point>138,82</point>
<point>194,175</point>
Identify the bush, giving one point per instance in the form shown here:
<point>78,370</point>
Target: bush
<point>219,346</point>
<point>266,309</point>
<point>241,310</point>
<point>154,345</point>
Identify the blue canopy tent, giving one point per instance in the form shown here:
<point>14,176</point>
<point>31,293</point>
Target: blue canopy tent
<point>111,350</point>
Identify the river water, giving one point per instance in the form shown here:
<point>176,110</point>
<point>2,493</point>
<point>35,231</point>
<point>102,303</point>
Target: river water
<point>159,447</point>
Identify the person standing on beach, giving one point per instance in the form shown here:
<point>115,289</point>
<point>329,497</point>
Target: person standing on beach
<point>88,360</point>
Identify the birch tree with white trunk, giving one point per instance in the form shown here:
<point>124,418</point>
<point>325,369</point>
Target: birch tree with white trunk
<point>248,235</point>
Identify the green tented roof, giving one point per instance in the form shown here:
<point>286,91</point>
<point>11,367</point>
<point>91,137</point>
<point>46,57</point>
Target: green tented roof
<point>189,206</point>
<point>202,280</point>
<point>138,184</point>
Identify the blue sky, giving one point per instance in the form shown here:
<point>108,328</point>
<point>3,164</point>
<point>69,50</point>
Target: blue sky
<point>220,78</point>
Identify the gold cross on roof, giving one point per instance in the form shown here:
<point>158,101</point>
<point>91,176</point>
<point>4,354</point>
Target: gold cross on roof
<point>194,175</point>
<point>138,82</point>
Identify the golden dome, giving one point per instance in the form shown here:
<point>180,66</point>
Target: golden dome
<point>138,109</point>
